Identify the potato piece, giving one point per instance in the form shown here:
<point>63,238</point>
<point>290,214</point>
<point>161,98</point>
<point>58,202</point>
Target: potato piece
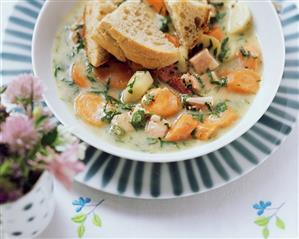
<point>182,128</point>
<point>243,82</point>
<point>156,127</point>
<point>161,102</point>
<point>210,127</point>
<point>123,121</point>
<point>88,107</point>
<point>79,75</point>
<point>239,17</point>
<point>203,61</point>
<point>137,86</point>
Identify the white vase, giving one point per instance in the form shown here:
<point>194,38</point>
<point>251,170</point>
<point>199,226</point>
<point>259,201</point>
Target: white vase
<point>29,215</point>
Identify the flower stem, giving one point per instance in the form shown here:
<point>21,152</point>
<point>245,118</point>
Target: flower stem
<point>277,209</point>
<point>98,204</point>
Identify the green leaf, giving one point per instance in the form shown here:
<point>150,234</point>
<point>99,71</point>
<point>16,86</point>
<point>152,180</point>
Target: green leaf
<point>81,230</point>
<point>49,138</point>
<point>280,223</point>
<point>261,221</point>
<point>79,218</point>
<point>96,220</point>
<point>266,232</point>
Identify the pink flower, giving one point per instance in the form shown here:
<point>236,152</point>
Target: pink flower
<point>24,87</point>
<point>19,133</point>
<point>65,166</point>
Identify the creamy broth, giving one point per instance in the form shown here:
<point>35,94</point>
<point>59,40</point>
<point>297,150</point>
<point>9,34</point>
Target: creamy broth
<point>66,53</point>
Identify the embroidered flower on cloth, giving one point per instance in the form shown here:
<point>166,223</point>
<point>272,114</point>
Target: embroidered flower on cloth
<point>261,206</point>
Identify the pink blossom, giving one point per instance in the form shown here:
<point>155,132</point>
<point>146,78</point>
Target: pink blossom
<point>65,166</point>
<point>19,133</point>
<point>24,87</point>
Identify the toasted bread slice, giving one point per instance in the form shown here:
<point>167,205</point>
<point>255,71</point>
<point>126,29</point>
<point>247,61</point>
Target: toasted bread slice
<point>132,25</point>
<point>107,42</point>
<point>189,18</point>
<point>94,12</point>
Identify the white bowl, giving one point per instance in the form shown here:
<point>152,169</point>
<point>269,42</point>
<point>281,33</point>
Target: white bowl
<point>268,29</point>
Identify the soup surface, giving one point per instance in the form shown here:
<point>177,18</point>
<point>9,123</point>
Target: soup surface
<point>191,102</point>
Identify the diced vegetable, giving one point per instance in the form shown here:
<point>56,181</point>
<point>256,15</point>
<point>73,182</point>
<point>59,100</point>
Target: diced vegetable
<point>191,82</point>
<point>165,103</point>
<point>210,127</point>
<point>182,128</point>
<point>200,100</point>
<point>203,61</point>
<point>137,86</point>
<point>138,119</point>
<point>239,17</point>
<point>173,39</point>
<point>123,121</point>
<point>117,131</point>
<point>156,127</point>
<point>88,107</point>
<point>158,5</point>
<point>217,33</point>
<point>244,81</point>
<point>78,73</point>
<point>116,72</point>
<point>249,57</point>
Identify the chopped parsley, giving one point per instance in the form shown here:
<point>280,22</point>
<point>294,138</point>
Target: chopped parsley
<point>197,115</point>
<point>224,50</point>
<point>164,24</point>
<point>222,82</point>
<point>217,18</point>
<point>131,85</point>
<point>138,119</point>
<point>148,99</point>
<point>80,45</point>
<point>219,108</point>
<point>91,78</point>
<point>57,69</point>
<point>245,53</point>
<point>109,113</point>
<point>89,68</point>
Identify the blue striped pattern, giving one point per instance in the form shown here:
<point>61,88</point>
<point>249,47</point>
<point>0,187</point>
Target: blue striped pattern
<point>160,180</point>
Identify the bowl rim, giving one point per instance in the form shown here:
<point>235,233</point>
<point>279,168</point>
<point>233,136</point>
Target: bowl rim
<point>164,157</point>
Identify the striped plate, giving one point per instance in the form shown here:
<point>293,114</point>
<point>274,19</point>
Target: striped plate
<point>167,180</point>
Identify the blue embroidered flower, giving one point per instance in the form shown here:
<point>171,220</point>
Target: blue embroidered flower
<point>261,206</point>
<point>81,202</point>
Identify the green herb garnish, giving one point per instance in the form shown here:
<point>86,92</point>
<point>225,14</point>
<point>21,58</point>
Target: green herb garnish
<point>138,119</point>
<point>57,69</point>
<point>164,24</point>
<point>219,108</point>
<point>131,85</point>
<point>197,115</point>
<point>149,98</point>
<point>224,49</point>
<point>91,78</point>
<point>89,68</point>
<point>245,53</point>
<point>217,18</point>
<point>222,82</point>
<point>80,45</point>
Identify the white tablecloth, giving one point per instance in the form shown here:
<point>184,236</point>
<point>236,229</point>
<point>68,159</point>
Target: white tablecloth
<point>225,212</point>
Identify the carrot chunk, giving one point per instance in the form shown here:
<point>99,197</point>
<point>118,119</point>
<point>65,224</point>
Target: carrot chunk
<point>210,127</point>
<point>79,75</point>
<point>173,39</point>
<point>182,128</point>
<point>158,5</point>
<point>243,82</point>
<point>217,33</point>
<point>161,102</point>
<point>118,73</point>
<point>249,57</point>
<point>87,107</point>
